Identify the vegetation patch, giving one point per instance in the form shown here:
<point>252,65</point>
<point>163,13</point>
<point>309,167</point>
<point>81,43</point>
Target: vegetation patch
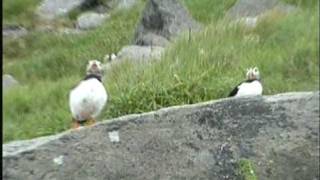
<point>246,170</point>
<point>19,12</point>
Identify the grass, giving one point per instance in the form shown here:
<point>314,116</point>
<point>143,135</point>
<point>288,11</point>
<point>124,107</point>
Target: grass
<point>19,12</point>
<point>203,10</point>
<point>246,170</point>
<point>62,51</point>
<point>206,68</point>
<point>55,72</point>
<point>303,3</point>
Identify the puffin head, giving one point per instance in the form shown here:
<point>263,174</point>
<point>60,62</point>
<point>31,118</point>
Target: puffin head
<point>253,74</point>
<point>94,67</point>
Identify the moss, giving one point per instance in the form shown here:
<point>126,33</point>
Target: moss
<point>246,170</point>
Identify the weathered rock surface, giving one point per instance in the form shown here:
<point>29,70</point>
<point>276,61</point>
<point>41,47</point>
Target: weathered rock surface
<point>13,31</point>
<point>151,39</point>
<point>166,18</point>
<point>253,8</point>
<point>91,20</point>
<point>8,82</point>
<point>126,4</point>
<point>50,9</point>
<point>140,53</point>
<point>279,134</point>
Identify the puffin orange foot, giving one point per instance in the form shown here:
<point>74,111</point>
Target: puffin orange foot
<point>91,122</point>
<point>75,125</point>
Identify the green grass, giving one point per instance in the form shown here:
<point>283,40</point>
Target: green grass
<point>186,76</point>
<point>246,170</point>
<point>206,68</point>
<point>208,11</point>
<point>66,55</point>
<point>19,12</point>
<point>45,63</point>
<point>303,3</point>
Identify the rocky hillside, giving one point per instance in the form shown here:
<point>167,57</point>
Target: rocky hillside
<point>195,51</point>
<point>266,137</point>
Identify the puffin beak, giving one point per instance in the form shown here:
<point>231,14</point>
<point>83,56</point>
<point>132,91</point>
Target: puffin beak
<point>94,66</point>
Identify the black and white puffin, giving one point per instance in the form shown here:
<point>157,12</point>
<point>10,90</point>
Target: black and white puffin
<point>250,87</point>
<point>89,97</point>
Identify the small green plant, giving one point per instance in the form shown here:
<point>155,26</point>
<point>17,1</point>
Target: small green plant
<point>246,170</point>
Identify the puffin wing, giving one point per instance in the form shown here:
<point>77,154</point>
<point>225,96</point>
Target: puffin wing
<point>234,91</point>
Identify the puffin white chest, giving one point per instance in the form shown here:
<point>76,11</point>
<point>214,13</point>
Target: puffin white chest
<point>249,88</point>
<point>87,99</point>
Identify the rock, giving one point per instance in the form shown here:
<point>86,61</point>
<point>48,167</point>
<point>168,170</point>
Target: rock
<point>255,8</point>
<point>152,39</point>
<point>249,11</point>
<point>69,31</point>
<point>90,20</point>
<point>278,134</point>
<point>14,31</point>
<point>51,9</point>
<point>166,18</point>
<point>126,4</point>
<point>249,22</point>
<point>101,9</point>
<point>140,53</point>
<point>114,136</point>
<point>8,82</point>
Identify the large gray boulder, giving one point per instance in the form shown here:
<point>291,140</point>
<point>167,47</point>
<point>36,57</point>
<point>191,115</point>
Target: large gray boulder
<point>50,9</point>
<point>151,39</point>
<point>126,4</point>
<point>8,82</point>
<point>166,18</point>
<point>254,8</point>
<point>90,20</point>
<point>140,53</point>
<point>278,135</point>
<point>13,31</point>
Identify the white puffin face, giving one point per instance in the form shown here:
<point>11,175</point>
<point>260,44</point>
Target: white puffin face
<point>94,67</point>
<point>253,73</point>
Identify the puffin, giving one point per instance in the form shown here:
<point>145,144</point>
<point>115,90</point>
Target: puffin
<point>89,97</point>
<point>252,86</point>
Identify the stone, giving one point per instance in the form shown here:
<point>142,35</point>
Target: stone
<point>254,8</point>
<point>51,9</point>
<point>8,82</point>
<point>58,160</point>
<point>248,12</point>
<point>13,31</point>
<point>126,4</point>
<point>140,53</point>
<point>198,141</point>
<point>151,39</point>
<point>69,31</point>
<point>114,136</point>
<point>166,18</point>
<point>90,20</point>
